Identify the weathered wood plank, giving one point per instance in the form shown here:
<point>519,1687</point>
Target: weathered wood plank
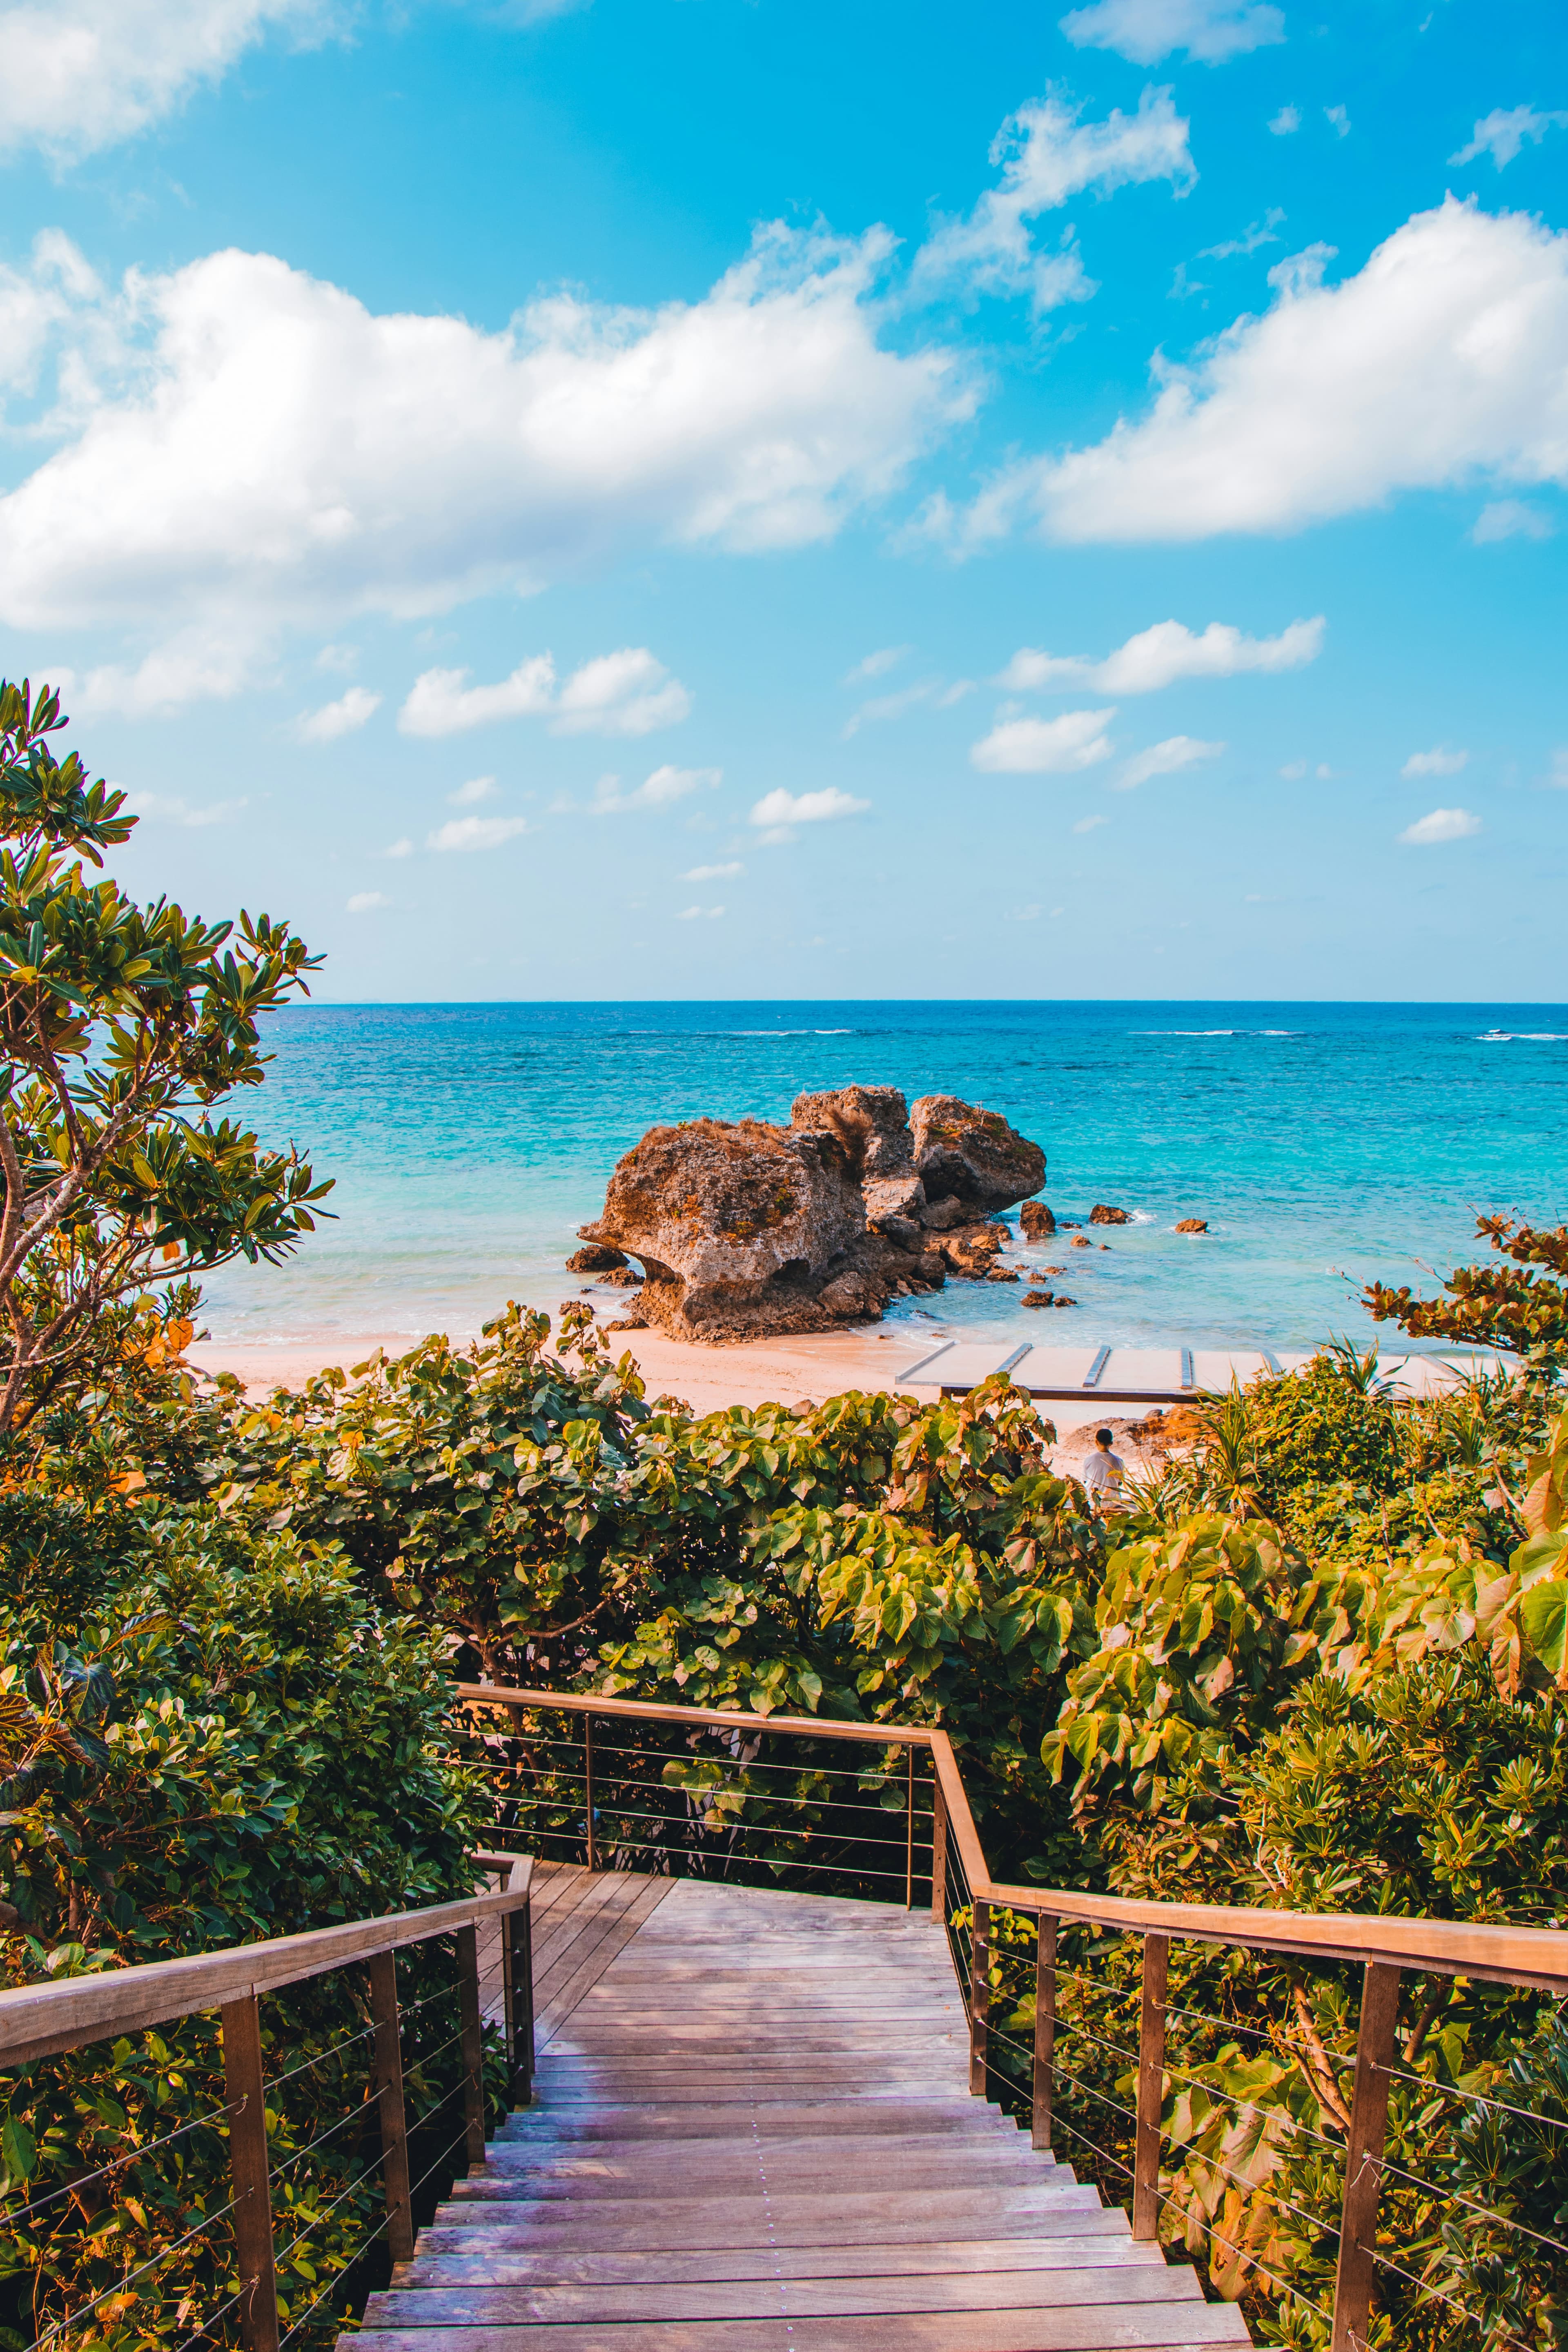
<point>1008,2290</point>
<point>493,2266</point>
<point>1178,2328</point>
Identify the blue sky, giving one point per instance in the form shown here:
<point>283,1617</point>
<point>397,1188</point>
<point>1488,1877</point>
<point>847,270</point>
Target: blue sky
<point>722,497</point>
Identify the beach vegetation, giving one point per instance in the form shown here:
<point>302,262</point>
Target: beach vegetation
<point>123,1027</point>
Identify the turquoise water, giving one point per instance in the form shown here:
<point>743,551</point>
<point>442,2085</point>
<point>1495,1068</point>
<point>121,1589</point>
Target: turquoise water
<point>1325,1144</point>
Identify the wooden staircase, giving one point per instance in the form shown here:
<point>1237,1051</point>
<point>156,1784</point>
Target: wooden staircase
<point>752,2132</point>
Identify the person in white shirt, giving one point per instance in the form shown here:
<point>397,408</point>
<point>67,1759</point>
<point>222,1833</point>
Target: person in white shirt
<point>1103,1471</point>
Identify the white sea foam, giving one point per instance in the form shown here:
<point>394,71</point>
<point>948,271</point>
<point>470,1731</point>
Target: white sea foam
<point>1183,1033</point>
<point>1522,1037</point>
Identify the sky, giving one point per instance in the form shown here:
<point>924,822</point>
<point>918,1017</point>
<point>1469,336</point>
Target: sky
<point>747,498</point>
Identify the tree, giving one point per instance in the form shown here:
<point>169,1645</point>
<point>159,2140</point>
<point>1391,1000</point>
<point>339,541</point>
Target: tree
<point>121,1028</point>
<point>1497,1305</point>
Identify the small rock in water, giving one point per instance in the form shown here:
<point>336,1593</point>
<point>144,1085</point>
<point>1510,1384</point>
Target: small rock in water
<point>1192,1225</point>
<point>1064,1302</point>
<point>1082,1243</point>
<point>1037,1221</point>
<point>1103,1215</point>
<point>594,1257</point>
<point>1039,1298</point>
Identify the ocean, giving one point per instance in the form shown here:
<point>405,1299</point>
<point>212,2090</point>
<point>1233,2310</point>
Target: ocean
<point>1325,1143</point>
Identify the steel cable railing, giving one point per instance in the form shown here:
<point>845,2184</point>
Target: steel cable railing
<point>304,2154</point>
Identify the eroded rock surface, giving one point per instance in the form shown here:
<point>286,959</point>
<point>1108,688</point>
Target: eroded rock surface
<point>1102,1213</point>
<point>749,1229</point>
<point>1037,1223</point>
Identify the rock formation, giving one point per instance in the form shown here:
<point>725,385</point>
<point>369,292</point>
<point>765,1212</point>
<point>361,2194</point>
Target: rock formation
<point>750,1229</point>
<point>594,1257</point>
<point>1192,1225</point>
<point>1103,1215</point>
<point>1037,1221</point>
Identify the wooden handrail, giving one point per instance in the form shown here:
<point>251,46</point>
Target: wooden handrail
<point>40,2021</point>
<point>1386,1947</point>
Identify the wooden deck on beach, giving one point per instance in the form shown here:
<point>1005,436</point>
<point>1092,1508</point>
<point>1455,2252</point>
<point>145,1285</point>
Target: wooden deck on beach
<point>752,2132</point>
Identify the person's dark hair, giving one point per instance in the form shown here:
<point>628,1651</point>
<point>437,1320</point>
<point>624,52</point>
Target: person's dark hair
<point>1102,1436</point>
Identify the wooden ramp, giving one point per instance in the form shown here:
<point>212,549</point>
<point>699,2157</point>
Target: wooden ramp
<point>752,2132</point>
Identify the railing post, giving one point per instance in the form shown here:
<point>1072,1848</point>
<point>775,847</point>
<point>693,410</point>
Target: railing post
<point>979,1995</point>
<point>246,2093</point>
<point>588,1790</point>
<point>909,1827</point>
<point>473,2044</point>
<point>1374,2047</point>
<point>389,2095</point>
<point>1151,2089</point>
<point>938,1851</point>
<point>1045,2032</point>
<point>518,1967</point>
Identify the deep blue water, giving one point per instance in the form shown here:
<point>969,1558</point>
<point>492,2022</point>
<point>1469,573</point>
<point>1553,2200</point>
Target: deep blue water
<point>1325,1143</point>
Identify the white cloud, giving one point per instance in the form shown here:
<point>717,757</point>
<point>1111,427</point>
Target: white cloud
<point>875,665</point>
<point>1294,771</point>
<point>1164,760</point>
<point>1048,155</point>
<point>96,70</point>
<point>1510,518</point>
<point>1444,358</point>
<point>1258,234</point>
<point>196,665</point>
<point>661,791</point>
<point>1287,120</point>
<point>442,702</point>
<point>714,873</point>
<point>1088,824</point>
<point>171,810</point>
<point>782,808</point>
<point>1339,117</point>
<point>344,659</point>
<point>368,902</point>
<point>695,914</point>
<point>1441,761</point>
<point>476,832</point>
<point>401,463</point>
<point>1160,656</point>
<point>1441,824</point>
<point>1501,133</point>
<point>475,792</point>
<point>404,848</point>
<point>624,693</point>
<point>1146,30</point>
<point>931,692</point>
<point>1045,747</point>
<point>336,718</point>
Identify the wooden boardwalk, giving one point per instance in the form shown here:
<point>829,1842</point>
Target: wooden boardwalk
<point>752,2132</point>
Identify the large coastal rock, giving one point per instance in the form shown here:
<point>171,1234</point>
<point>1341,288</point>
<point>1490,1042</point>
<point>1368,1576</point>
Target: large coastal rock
<point>739,1227</point>
<point>749,1229</point>
<point>968,1154</point>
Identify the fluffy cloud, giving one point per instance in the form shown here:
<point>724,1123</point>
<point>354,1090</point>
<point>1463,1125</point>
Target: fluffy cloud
<point>368,902</point>
<point>624,693</point>
<point>714,873</point>
<point>1048,156</point>
<point>1145,30</point>
<point>1509,518</point>
<point>1045,747</point>
<point>782,809</point>
<point>1160,656</point>
<point>473,833</point>
<point>1287,120</point>
<point>171,810</point>
<point>1441,824</point>
<point>1164,760</point>
<point>95,70</point>
<point>1501,133</point>
<point>336,718</point>
<point>661,791</point>
<point>1440,761</point>
<point>475,792</point>
<point>1444,358</point>
<point>247,440</point>
<point>196,665</point>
